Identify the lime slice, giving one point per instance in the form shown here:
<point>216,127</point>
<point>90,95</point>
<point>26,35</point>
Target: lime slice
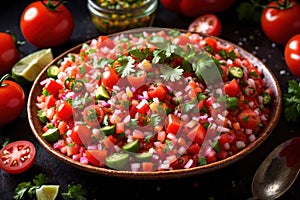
<point>29,67</point>
<point>47,192</point>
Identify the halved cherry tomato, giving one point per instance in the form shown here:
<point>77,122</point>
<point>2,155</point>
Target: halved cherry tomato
<point>292,55</point>
<point>208,24</point>
<point>17,157</point>
<point>93,115</point>
<point>110,78</point>
<point>157,91</point>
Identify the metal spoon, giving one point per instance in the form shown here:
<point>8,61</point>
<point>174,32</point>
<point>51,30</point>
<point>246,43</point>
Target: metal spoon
<point>278,171</point>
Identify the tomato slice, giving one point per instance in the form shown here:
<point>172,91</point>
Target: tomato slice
<point>208,24</point>
<point>17,157</point>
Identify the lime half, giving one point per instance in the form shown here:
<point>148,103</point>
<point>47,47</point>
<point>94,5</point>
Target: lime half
<point>47,192</point>
<point>28,68</point>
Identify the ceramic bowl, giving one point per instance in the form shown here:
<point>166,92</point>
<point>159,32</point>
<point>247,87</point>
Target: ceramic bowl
<point>275,112</point>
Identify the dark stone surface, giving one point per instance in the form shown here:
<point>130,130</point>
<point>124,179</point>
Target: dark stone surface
<point>232,182</point>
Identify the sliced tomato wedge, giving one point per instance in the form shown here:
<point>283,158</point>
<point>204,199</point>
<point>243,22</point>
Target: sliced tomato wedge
<point>17,157</point>
<point>208,24</point>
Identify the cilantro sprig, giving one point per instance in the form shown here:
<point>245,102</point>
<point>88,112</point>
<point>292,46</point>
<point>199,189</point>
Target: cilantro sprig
<point>291,101</point>
<point>27,190</point>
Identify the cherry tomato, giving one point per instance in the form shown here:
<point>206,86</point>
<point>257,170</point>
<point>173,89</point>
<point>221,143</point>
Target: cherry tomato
<point>17,157</point>
<point>9,53</point>
<point>93,115</point>
<point>208,24</point>
<point>292,54</point>
<point>12,99</point>
<point>46,23</point>
<point>279,25</point>
<point>109,78</point>
<point>194,8</point>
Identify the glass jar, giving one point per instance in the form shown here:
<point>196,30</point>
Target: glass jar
<point>110,16</point>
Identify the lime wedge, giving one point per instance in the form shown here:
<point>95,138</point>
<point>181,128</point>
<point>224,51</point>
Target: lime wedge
<point>28,68</point>
<point>47,192</point>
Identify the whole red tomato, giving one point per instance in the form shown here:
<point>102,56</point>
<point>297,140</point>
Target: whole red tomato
<point>280,20</point>
<point>195,8</point>
<point>9,52</point>
<point>292,54</point>
<point>12,99</point>
<point>47,23</point>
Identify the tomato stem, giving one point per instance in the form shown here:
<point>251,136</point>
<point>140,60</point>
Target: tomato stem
<point>281,5</point>
<point>16,42</point>
<point>52,5</point>
<point>6,76</point>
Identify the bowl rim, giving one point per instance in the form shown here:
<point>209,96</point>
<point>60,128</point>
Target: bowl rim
<point>263,135</point>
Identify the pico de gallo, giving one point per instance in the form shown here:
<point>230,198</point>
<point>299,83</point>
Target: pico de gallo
<point>153,101</point>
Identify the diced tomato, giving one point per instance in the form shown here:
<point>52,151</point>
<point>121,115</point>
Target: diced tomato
<point>161,136</point>
<point>104,41</point>
<point>197,134</point>
<point>232,88</point>
<point>211,157</point>
<point>53,87</point>
<point>64,111</point>
<point>50,101</point>
<point>249,119</point>
<point>120,127</point>
<point>143,107</point>
<point>147,166</point>
<point>96,157</point>
<point>81,135</point>
<point>172,124</point>
<point>193,149</point>
<point>157,90</point>
<point>62,127</point>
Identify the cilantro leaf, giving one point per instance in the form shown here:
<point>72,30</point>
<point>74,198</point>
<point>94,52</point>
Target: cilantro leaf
<point>291,101</point>
<point>75,192</point>
<point>169,73</point>
<point>206,69</point>
<point>26,190</point>
<point>154,120</point>
<point>126,67</point>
